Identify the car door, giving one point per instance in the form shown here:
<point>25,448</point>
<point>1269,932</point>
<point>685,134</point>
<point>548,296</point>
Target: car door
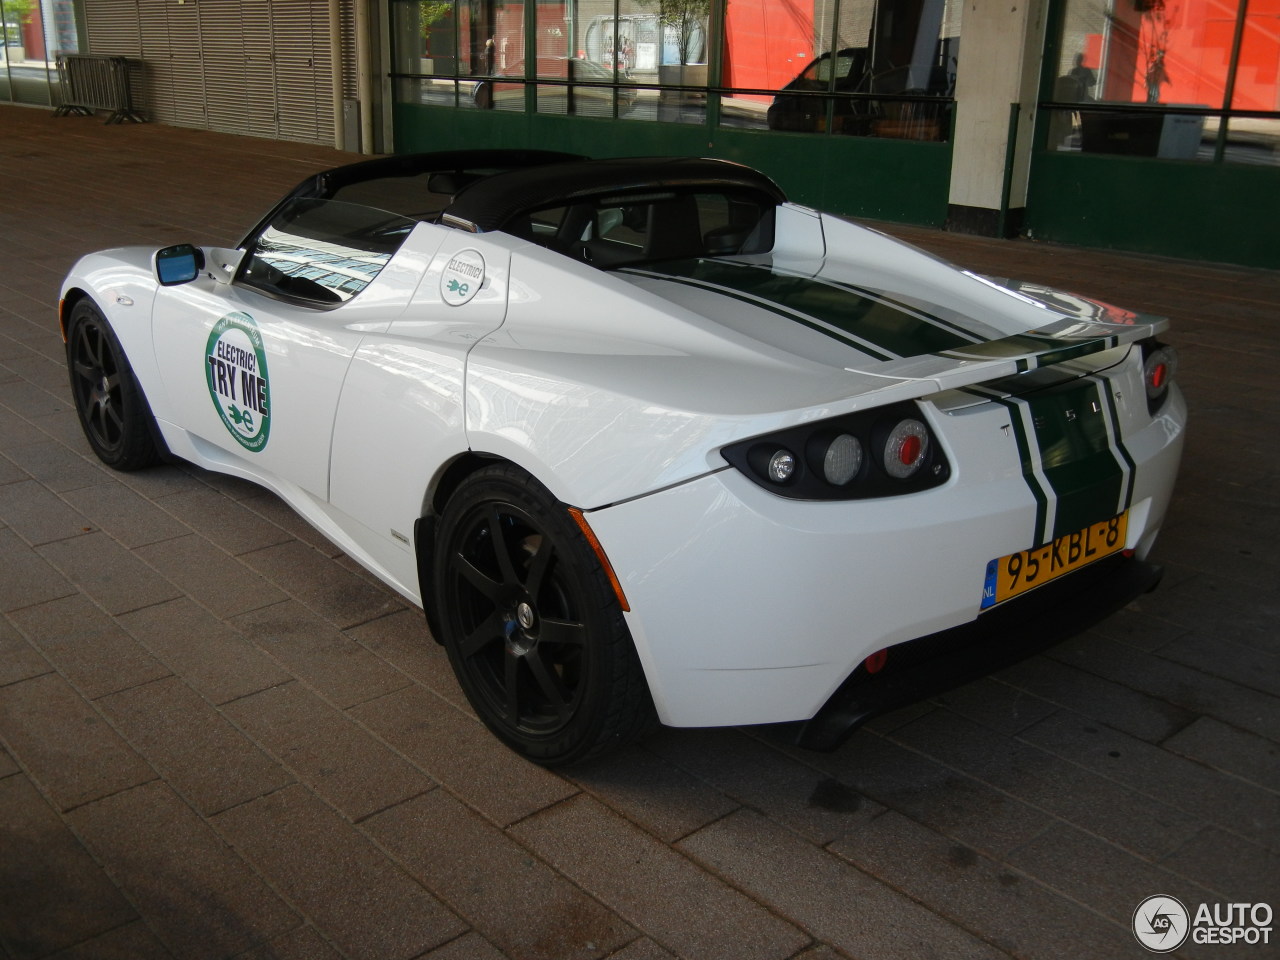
<point>254,363</point>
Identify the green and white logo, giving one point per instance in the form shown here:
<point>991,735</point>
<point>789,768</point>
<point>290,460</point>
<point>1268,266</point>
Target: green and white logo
<point>236,371</point>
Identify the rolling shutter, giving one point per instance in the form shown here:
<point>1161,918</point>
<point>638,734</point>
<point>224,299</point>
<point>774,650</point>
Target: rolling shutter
<point>258,67</point>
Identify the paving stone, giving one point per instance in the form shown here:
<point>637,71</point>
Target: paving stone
<point>1243,871</point>
<point>52,893</point>
<point>313,650</point>
<point>198,896</point>
<point>1237,752</point>
<point>645,949</point>
<point>340,596</point>
<point>1041,779</point>
<point>19,660</point>
<point>133,941</point>
<point>402,640</point>
<point>652,793</point>
<point>1246,665</point>
<point>1099,874</point>
<point>124,515</point>
<point>10,473</point>
<point>108,573</point>
<point>38,515</point>
<point>1191,689</point>
<point>87,646</point>
<point>69,750</point>
<point>54,465</point>
<point>493,883</point>
<point>1014,913</point>
<point>42,459</point>
<point>197,751</point>
<point>1137,713</point>
<point>462,755</point>
<point>17,431</point>
<point>660,892</point>
<point>942,797</point>
<point>216,660</point>
<point>830,898</point>
<point>804,799</point>
<point>470,946</point>
<point>211,576</point>
<point>25,578</point>
<point>997,705</point>
<point>226,522</point>
<point>339,760</point>
<point>300,943</point>
<point>1218,607</point>
<point>1232,804</point>
<point>354,896</point>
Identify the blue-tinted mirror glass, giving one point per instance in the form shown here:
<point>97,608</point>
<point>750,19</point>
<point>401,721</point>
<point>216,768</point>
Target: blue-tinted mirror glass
<point>178,264</point>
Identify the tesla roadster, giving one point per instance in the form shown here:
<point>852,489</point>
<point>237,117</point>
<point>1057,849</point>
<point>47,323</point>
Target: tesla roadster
<point>646,441</point>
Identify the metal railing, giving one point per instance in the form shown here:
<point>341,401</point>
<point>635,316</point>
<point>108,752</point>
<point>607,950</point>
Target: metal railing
<point>92,82</point>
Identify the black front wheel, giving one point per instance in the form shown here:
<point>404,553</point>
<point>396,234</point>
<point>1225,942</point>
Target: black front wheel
<point>531,623</point>
<point>113,411</point>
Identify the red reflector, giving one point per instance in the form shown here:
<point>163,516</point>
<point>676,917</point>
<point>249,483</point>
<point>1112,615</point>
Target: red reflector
<point>875,663</point>
<point>909,452</point>
<point>1159,373</point>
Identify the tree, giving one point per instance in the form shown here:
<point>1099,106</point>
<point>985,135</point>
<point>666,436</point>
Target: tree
<point>15,14</point>
<point>688,17</point>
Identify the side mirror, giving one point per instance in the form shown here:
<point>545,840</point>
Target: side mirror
<point>178,264</point>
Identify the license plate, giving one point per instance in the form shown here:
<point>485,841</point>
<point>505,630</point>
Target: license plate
<point>1025,570</point>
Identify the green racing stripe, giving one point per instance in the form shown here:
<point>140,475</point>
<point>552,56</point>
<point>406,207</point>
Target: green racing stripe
<point>1073,458</point>
<point>877,325</point>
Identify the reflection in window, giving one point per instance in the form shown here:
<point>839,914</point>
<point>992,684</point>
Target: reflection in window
<point>859,67</point>
<point>883,68</point>
<point>33,34</point>
<point>322,251</point>
<point>1177,54</point>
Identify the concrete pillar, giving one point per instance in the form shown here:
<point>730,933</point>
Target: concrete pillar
<point>1001,46</point>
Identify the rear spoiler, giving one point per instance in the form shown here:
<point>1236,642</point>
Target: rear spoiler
<point>967,366</point>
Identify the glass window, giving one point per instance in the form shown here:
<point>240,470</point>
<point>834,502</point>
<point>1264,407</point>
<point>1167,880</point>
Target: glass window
<point>322,252</point>
<point>33,34</point>
<point>861,67</point>
<point>1175,54</point>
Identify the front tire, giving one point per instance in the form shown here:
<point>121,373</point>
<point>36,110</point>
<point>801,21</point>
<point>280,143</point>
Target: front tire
<point>531,624</point>
<point>113,412</point>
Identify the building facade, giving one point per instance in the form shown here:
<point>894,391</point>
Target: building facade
<point>1147,125</point>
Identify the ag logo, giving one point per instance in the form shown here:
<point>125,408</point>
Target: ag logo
<point>236,372</point>
<point>463,275</point>
<point>1161,923</point>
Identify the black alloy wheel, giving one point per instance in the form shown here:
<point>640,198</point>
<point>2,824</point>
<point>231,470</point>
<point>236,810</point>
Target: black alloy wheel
<point>113,412</point>
<point>532,626</point>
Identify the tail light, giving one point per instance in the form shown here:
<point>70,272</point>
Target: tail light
<point>875,453</point>
<point>1159,366</point>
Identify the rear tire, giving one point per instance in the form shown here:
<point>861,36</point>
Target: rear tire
<point>114,414</point>
<point>531,623</point>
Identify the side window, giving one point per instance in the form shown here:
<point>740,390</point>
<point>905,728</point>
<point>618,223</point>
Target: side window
<point>322,252</point>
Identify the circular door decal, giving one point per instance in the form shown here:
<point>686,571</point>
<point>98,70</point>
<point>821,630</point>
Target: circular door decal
<point>462,277</point>
<point>236,372</point>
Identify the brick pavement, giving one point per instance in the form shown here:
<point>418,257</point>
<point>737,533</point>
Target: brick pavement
<point>219,738</point>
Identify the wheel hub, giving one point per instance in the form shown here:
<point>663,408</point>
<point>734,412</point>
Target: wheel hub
<point>518,625</point>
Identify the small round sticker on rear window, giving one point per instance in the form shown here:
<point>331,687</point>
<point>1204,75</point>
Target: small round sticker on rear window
<point>235,368</point>
<point>462,277</point>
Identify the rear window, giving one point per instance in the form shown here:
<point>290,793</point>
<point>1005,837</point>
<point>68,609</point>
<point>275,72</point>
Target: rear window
<point>322,252</point>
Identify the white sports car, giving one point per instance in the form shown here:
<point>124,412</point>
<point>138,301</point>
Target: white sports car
<point>646,441</point>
